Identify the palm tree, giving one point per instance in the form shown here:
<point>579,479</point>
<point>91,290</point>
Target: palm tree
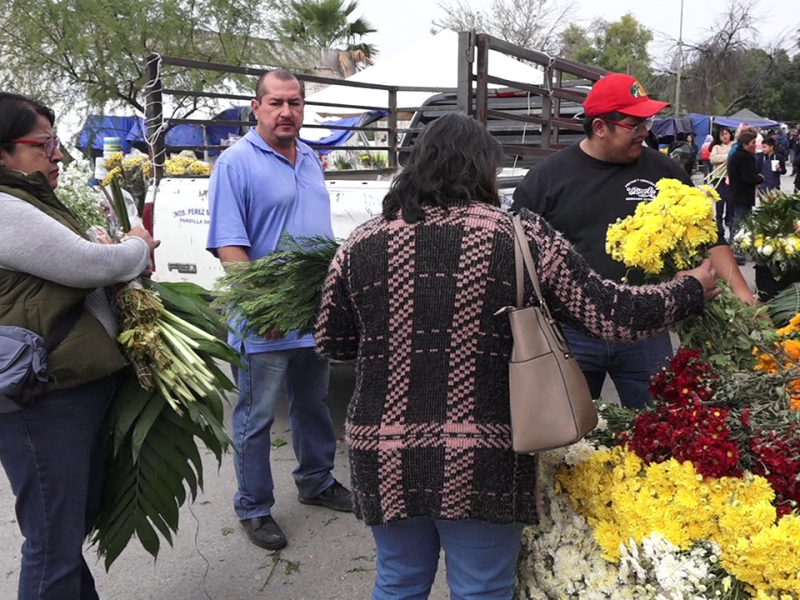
<point>326,24</point>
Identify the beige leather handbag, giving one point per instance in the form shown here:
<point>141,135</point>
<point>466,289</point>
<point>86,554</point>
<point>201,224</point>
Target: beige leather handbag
<point>551,405</point>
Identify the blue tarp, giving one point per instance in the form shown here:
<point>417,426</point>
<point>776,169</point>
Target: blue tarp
<point>702,127</point>
<point>672,127</point>
<point>733,122</point>
<point>131,130</point>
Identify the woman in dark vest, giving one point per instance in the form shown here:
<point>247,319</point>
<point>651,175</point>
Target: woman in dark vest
<point>52,275</point>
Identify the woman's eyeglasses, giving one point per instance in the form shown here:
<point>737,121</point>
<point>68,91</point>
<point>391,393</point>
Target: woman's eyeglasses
<point>49,145</point>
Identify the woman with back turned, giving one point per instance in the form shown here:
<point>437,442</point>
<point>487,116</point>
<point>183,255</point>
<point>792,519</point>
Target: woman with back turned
<point>412,296</point>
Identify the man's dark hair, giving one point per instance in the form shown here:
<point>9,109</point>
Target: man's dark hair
<point>770,141</point>
<point>588,120</point>
<point>18,116</point>
<point>455,161</point>
<point>281,75</point>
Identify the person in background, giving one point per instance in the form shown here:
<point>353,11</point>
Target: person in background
<point>773,165</point>
<point>794,148</point>
<point>53,449</point>
<point>267,184</point>
<point>783,144</point>
<point>416,297</point>
<point>583,189</point>
<point>705,156</point>
<point>796,165</point>
<point>744,177</point>
<point>719,157</point>
<point>692,164</point>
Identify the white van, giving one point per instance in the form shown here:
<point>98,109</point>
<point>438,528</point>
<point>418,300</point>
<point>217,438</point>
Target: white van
<point>176,211</point>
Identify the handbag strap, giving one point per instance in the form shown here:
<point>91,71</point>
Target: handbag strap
<point>62,328</point>
<point>523,258</point>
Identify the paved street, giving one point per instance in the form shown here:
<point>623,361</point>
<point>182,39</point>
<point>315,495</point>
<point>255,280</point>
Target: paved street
<point>330,555</point>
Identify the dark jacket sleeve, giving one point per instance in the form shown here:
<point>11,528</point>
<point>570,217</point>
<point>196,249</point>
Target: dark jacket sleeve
<point>742,168</point>
<point>580,298</point>
<point>335,325</point>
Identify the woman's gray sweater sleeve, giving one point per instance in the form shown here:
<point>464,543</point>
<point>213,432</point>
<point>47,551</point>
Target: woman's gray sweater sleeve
<point>32,242</point>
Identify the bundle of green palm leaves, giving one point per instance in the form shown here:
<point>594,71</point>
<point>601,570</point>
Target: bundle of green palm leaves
<point>279,291</point>
<point>153,454</point>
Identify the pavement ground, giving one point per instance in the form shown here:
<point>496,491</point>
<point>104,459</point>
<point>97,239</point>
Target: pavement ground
<point>330,555</point>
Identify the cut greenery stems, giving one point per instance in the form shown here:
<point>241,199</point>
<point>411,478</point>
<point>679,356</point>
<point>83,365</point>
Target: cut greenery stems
<point>280,291</point>
<point>154,429</point>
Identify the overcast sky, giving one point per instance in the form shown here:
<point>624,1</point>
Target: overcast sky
<point>406,22</point>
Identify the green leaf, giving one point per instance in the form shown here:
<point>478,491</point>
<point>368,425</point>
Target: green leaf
<point>130,401</point>
<point>155,517</point>
<point>146,535</point>
<point>170,455</point>
<point>145,422</point>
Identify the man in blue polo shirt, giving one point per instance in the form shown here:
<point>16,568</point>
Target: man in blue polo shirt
<point>266,184</point>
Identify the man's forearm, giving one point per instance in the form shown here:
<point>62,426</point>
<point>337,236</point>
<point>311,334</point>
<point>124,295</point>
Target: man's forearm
<point>724,264</point>
<point>232,254</point>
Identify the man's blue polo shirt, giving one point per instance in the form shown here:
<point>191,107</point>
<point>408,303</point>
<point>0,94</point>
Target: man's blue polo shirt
<point>255,195</point>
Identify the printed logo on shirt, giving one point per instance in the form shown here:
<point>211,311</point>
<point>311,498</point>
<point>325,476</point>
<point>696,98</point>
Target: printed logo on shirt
<point>640,189</point>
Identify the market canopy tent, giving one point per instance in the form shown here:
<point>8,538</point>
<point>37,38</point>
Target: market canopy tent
<point>745,117</point>
<point>432,63</point>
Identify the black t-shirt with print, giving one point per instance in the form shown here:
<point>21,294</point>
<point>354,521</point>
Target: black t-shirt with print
<point>581,196</point>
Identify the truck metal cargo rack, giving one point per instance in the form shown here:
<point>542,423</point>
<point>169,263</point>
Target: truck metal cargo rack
<point>531,121</point>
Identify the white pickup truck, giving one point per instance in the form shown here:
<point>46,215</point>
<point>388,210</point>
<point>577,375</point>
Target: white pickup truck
<point>178,207</point>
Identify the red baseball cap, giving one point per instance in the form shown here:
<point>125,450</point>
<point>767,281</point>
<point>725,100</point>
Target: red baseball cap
<point>617,92</point>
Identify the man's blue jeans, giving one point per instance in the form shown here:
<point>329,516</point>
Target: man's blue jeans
<point>629,364</point>
<point>480,558</point>
<point>263,378</point>
<point>53,455</point>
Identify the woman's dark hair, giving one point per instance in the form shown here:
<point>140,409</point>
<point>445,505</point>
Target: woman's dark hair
<point>746,136</point>
<point>718,138</point>
<point>454,161</point>
<point>18,116</point>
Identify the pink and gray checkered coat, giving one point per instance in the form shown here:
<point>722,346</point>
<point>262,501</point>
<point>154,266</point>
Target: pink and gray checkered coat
<point>428,426</point>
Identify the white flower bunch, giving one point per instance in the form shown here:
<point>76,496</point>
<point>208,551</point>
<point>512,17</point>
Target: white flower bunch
<point>665,571</point>
<point>74,191</point>
<point>562,561</point>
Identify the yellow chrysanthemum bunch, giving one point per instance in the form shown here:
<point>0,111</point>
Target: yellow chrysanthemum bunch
<point>669,233</point>
<point>625,499</point>
<point>185,163</point>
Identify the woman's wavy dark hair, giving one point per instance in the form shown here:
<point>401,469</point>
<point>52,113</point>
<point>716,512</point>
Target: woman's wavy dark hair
<point>454,161</point>
<point>18,116</point>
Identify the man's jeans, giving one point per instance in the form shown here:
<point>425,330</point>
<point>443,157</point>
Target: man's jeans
<point>263,377</point>
<point>53,454</point>
<point>630,364</point>
<point>480,558</point>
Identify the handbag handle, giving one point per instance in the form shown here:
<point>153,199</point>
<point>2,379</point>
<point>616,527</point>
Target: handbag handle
<point>524,262</point>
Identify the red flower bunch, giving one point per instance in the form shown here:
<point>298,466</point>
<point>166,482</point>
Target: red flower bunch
<point>687,375</point>
<point>777,459</point>
<point>681,425</point>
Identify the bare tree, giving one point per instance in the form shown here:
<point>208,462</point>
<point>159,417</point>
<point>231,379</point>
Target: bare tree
<point>727,69</point>
<point>533,24</point>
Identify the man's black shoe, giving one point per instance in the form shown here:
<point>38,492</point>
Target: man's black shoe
<point>336,497</point>
<point>264,532</point>
<point>740,260</point>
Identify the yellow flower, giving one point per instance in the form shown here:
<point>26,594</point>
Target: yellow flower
<point>113,161</point>
<point>674,228</point>
<point>113,174</point>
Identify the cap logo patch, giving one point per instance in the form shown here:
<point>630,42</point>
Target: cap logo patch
<point>637,90</point>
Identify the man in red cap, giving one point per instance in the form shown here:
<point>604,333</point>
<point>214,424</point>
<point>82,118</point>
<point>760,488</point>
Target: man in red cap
<point>586,187</point>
